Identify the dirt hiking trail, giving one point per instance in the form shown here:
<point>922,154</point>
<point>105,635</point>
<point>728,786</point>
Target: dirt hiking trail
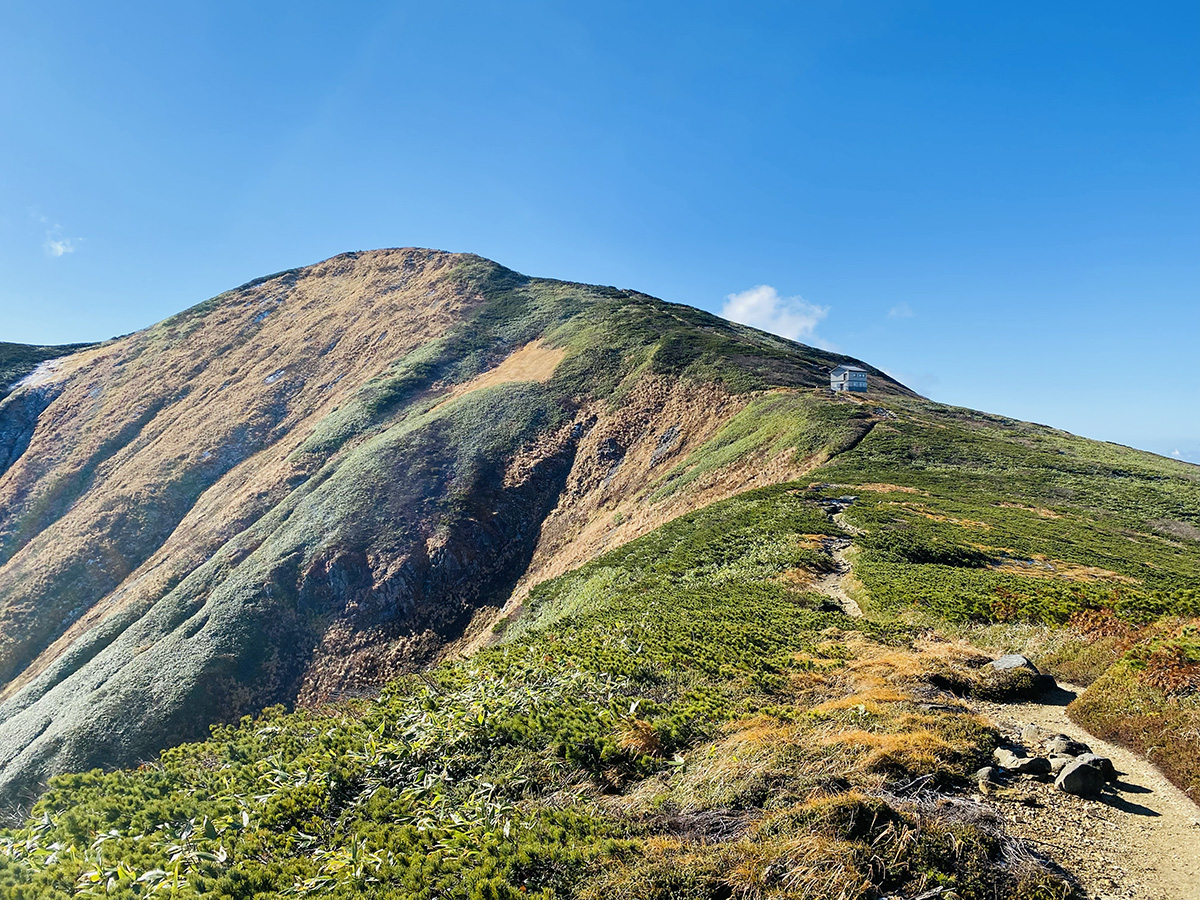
<point>1139,840</point>
<point>833,584</point>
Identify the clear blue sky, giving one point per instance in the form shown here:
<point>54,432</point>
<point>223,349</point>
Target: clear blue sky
<point>998,203</point>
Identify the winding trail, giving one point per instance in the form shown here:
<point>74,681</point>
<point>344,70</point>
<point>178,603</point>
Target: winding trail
<point>833,584</point>
<point>1139,840</point>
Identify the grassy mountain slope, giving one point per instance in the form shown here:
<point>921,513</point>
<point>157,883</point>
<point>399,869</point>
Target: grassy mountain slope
<point>679,717</point>
<point>1085,555</point>
<point>694,728</point>
<point>665,706</point>
<point>302,488</point>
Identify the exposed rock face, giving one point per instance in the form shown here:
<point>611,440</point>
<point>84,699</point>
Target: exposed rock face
<point>18,418</point>
<point>306,486</point>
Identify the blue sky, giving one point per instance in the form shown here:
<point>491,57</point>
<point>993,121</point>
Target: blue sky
<point>998,203</point>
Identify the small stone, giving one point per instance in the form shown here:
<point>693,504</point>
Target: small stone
<point>1061,745</point>
<point>1012,661</point>
<point>1017,761</point>
<point>1102,763</point>
<point>986,774</point>
<point>1007,759</point>
<point>1081,779</point>
<point>1034,765</point>
<point>1058,763</point>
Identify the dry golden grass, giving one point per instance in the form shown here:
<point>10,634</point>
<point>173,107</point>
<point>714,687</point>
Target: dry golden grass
<point>877,665</point>
<point>918,750</point>
<point>855,712</point>
<point>639,737</point>
<point>730,770</point>
<point>808,780</point>
<point>798,580</point>
<point>1044,567</point>
<point>533,362</point>
<point>870,699</point>
<point>807,865</point>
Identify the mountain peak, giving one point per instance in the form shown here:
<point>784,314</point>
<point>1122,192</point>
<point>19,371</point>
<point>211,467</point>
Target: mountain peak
<point>318,480</point>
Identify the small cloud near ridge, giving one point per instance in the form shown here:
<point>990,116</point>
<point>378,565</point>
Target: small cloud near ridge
<point>790,317</point>
<point>55,242</point>
<point>901,311</point>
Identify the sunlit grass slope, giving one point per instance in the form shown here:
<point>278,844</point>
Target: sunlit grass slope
<point>677,717</point>
<point>1005,522</point>
<point>672,720</point>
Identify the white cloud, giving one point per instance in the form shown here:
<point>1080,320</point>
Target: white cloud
<point>55,241</point>
<point>901,311</point>
<point>789,317</point>
<point>1177,455</point>
<point>58,246</point>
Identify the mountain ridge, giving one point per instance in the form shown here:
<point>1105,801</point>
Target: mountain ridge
<point>140,498</point>
<point>566,592</point>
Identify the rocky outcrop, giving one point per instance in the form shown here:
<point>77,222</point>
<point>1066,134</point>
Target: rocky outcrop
<point>1081,778</point>
<point>1069,762</point>
<point>1016,761</point>
<point>1012,677</point>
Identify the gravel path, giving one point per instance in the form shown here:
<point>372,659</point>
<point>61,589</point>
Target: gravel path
<point>1140,840</point>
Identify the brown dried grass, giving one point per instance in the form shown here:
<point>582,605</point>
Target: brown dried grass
<point>638,737</point>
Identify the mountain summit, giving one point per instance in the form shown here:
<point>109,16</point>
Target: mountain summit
<point>306,486</point>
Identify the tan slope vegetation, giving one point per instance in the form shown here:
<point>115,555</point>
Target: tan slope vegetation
<point>204,409</point>
<point>614,492</point>
<point>533,362</point>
